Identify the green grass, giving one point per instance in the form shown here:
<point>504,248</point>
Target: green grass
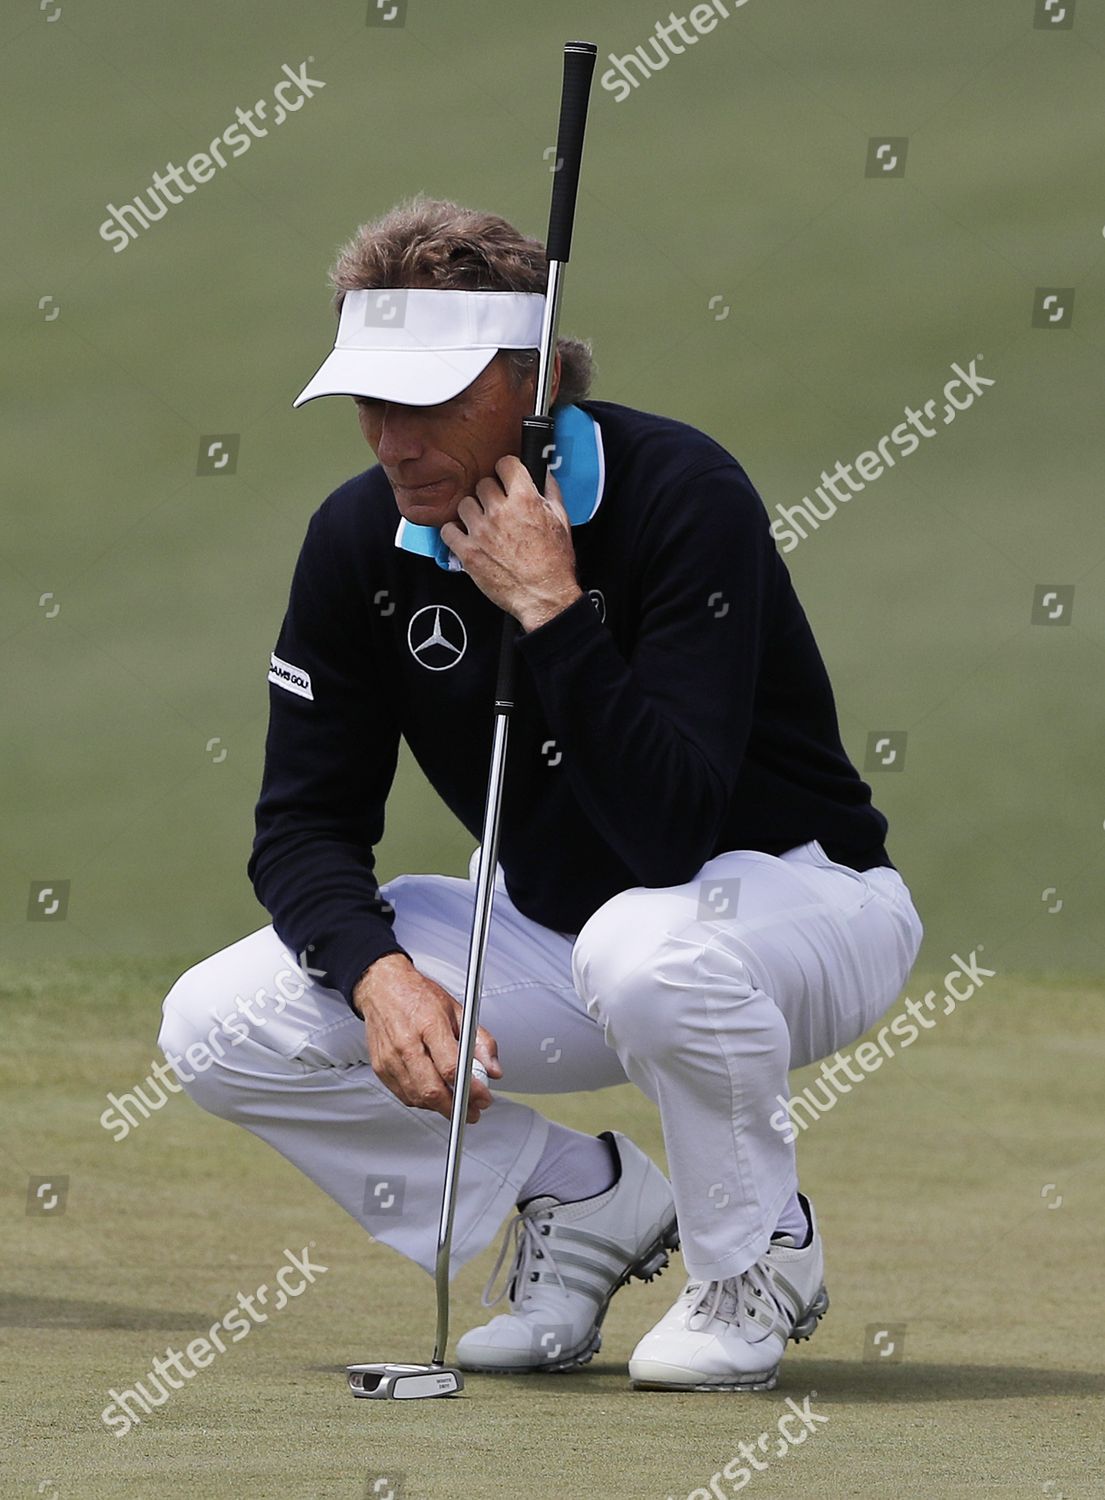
<point>931,1179</point>
<point>737,172</point>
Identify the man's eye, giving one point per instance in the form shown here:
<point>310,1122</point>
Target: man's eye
<point>367,401</point>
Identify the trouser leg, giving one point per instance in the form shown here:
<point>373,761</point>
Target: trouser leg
<point>708,1005</point>
<point>292,1067</point>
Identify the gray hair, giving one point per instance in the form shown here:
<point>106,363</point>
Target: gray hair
<point>429,242</point>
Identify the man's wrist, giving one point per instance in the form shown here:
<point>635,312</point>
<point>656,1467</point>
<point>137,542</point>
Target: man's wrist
<point>363,988</point>
<point>548,608</point>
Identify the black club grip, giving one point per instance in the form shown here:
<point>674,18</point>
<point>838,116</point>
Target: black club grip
<point>579,65</point>
<point>504,680</point>
<point>537,446</point>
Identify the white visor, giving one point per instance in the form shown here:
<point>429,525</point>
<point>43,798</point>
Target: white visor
<point>419,347</point>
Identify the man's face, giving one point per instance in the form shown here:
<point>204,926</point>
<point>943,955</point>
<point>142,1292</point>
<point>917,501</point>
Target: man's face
<point>434,455</point>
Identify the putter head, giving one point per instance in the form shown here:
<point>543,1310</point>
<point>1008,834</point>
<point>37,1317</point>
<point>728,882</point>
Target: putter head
<point>403,1382</point>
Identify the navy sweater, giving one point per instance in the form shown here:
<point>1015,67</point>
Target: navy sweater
<point>681,710</point>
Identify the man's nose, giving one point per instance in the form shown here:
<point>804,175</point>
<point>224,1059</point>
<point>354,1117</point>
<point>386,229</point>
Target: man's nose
<point>400,434</point>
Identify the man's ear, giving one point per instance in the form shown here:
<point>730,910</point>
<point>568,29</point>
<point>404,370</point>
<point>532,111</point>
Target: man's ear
<point>555,380</point>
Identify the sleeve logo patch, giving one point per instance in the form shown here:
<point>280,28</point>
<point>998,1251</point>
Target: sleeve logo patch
<point>294,679</point>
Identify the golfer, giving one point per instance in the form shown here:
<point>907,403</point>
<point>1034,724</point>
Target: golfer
<point>693,891</point>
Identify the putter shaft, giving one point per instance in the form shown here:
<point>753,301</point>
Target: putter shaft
<point>481,919</point>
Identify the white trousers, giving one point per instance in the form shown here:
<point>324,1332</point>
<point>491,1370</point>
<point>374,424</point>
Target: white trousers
<point>703,995</point>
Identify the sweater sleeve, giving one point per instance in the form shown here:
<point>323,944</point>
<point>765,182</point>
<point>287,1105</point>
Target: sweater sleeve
<point>653,739</point>
<point>330,758</point>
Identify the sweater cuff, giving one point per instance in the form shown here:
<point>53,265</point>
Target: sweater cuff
<point>354,955</point>
<point>557,637</point>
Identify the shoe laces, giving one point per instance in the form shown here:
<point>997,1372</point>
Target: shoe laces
<point>747,1301</point>
<point>529,1244</point>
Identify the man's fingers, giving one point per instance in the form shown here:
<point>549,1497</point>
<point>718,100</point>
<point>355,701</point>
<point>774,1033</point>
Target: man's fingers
<point>444,1046</point>
<point>509,468</point>
<point>554,495</point>
<point>421,1083</point>
<point>455,538</point>
<point>487,1050</point>
<point>420,1067</point>
<point>489,489</point>
<point>440,1037</point>
<point>513,472</point>
<point>470,508</point>
<point>413,1048</point>
<point>554,501</point>
<point>405,1065</point>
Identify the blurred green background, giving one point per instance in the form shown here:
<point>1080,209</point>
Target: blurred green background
<point>735,266</point>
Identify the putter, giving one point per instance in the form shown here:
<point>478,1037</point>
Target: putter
<point>403,1382</point>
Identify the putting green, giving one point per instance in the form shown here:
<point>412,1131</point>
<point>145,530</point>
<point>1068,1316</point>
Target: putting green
<point>961,1197</point>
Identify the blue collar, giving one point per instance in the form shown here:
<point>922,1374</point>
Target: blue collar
<point>579,469</point>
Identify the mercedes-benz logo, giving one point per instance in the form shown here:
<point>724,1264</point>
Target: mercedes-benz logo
<point>437,637</point>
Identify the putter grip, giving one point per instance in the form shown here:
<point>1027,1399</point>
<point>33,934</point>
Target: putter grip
<point>579,65</point>
<point>537,445</point>
<point>504,682</point>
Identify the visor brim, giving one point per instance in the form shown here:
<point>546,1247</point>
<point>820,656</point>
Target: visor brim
<point>410,377</point>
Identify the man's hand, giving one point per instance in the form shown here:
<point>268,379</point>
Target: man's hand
<point>516,544</point>
<point>412,1026</point>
